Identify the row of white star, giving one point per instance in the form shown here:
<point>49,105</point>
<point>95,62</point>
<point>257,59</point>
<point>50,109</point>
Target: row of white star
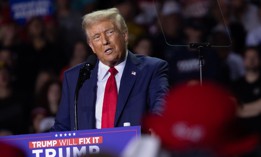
<point>65,134</point>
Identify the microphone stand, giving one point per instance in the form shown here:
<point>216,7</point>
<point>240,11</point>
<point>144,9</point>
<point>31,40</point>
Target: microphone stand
<point>84,74</point>
<point>199,47</point>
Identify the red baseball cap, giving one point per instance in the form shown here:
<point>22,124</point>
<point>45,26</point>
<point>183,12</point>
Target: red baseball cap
<point>200,117</point>
<point>8,150</point>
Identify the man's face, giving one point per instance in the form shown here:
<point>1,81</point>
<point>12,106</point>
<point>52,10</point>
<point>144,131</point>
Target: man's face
<point>107,42</point>
<point>251,60</point>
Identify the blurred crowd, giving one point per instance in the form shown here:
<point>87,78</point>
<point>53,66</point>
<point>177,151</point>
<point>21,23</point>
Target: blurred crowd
<point>34,56</point>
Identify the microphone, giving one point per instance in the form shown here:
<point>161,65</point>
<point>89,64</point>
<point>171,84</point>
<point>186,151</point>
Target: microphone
<point>84,74</point>
<point>85,70</point>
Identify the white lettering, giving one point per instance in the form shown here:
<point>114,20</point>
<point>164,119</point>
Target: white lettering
<point>96,139</point>
<point>188,65</point>
<point>50,152</point>
<point>38,144</point>
<point>88,141</point>
<point>94,149</point>
<point>68,152</point>
<point>77,152</point>
<point>37,152</point>
<point>60,152</point>
<point>81,140</point>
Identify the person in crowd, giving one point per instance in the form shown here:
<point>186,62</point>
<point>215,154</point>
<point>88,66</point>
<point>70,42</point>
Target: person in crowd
<point>248,91</point>
<point>54,35</point>
<point>50,96</point>
<point>84,6</point>
<point>254,36</point>
<point>129,10</point>
<point>231,59</point>
<point>9,35</point>
<point>122,86</point>
<point>42,77</point>
<point>246,13</point>
<point>143,46</point>
<point>12,109</point>
<point>7,57</point>
<point>238,39</point>
<point>169,31</point>
<point>184,59</point>
<point>80,53</point>
<point>38,114</point>
<point>195,8</point>
<point>34,56</point>
<point>197,121</point>
<point>220,19</point>
<point>147,12</point>
<point>69,25</point>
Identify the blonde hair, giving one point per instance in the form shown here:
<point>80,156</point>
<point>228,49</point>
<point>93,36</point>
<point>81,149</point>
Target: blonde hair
<point>112,14</point>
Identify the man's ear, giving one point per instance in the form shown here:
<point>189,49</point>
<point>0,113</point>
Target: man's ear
<point>126,36</point>
<point>91,46</point>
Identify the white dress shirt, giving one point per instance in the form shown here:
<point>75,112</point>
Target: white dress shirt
<point>103,75</point>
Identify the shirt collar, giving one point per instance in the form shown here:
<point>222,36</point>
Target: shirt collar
<point>103,69</point>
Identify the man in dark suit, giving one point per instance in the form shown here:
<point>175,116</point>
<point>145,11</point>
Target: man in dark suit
<point>122,86</point>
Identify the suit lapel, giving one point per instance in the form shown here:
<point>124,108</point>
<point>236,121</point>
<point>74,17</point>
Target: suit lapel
<point>127,82</point>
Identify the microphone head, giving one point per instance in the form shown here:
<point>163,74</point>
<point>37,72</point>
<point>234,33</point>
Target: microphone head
<point>91,61</point>
<point>85,70</point>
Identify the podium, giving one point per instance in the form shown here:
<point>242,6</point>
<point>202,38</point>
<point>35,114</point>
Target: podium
<point>75,143</point>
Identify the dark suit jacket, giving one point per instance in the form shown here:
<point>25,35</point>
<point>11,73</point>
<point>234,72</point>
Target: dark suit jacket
<point>143,86</point>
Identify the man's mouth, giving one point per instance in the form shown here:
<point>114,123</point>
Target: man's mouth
<point>108,51</point>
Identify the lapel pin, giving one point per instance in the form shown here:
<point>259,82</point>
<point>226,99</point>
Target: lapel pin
<point>133,73</point>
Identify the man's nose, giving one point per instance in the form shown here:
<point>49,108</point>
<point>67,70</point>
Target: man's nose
<point>105,40</point>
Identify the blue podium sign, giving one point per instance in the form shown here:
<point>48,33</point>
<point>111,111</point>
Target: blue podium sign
<point>74,143</point>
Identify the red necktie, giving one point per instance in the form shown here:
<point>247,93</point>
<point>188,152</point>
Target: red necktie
<point>110,100</point>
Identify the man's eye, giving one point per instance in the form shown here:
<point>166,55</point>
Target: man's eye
<point>110,32</point>
<point>96,38</point>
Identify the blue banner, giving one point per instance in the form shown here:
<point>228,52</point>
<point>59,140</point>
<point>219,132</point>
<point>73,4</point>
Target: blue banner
<point>74,143</point>
<point>22,10</point>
